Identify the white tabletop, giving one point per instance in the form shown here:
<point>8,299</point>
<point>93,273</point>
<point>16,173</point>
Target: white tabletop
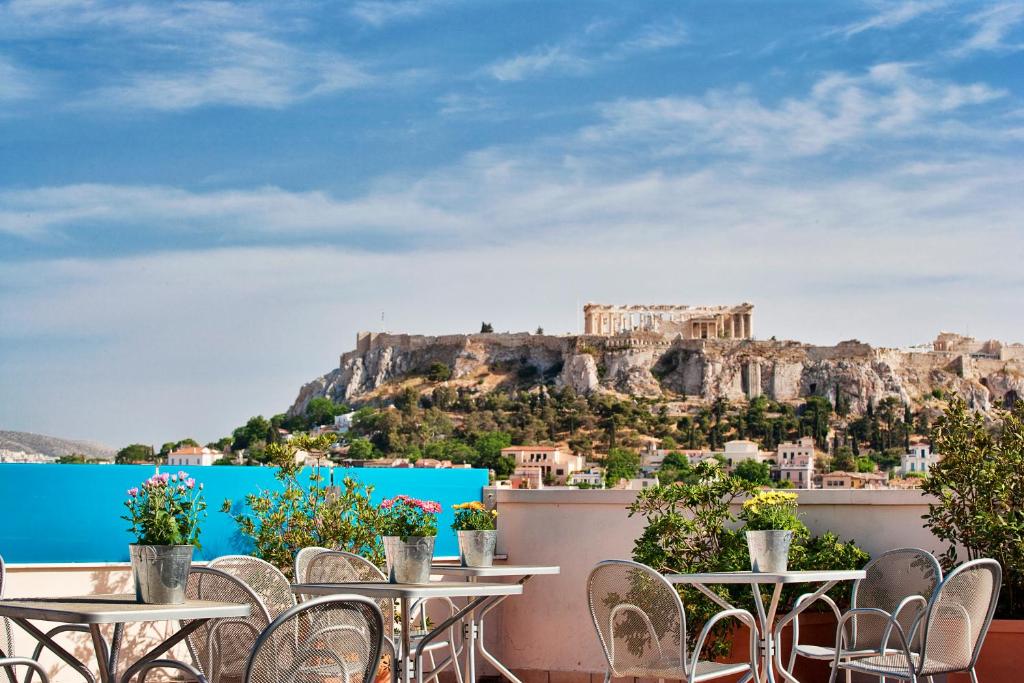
<point>114,609</point>
<point>412,591</point>
<point>495,570</point>
<point>809,576</point>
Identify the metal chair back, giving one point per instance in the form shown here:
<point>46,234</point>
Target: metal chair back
<point>891,578</point>
<point>639,619</point>
<point>220,648</point>
<point>263,578</point>
<point>6,633</point>
<point>959,616</point>
<point>302,559</point>
<point>332,639</point>
<point>339,566</point>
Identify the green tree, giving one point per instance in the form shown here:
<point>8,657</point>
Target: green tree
<point>486,328</point>
<point>757,473</point>
<point>134,453</point>
<point>322,411</point>
<point>621,463</point>
<point>256,429</point>
<point>362,449</point>
<point>439,372</point>
<point>843,460</point>
<point>488,446</point>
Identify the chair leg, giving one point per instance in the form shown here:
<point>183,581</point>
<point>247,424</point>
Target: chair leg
<point>608,676</point>
<point>974,675</point>
<point>849,677</point>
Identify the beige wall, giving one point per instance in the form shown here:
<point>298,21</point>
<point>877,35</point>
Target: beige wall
<point>547,628</point>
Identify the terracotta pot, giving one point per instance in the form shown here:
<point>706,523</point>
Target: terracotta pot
<point>1000,655</point>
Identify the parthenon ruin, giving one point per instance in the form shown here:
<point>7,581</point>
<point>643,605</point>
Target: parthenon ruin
<point>687,322</point>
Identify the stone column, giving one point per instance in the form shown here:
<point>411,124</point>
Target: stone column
<point>748,333</point>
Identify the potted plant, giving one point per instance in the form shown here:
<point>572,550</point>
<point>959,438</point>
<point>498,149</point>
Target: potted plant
<point>476,527</point>
<point>164,512</point>
<point>770,518</point>
<point>408,529</point>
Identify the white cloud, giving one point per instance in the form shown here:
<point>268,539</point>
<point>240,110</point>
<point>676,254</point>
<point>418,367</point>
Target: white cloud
<point>380,12</point>
<point>241,69</point>
<point>893,15</point>
<point>16,83</point>
<point>992,27</point>
<point>888,100</point>
<point>582,53</point>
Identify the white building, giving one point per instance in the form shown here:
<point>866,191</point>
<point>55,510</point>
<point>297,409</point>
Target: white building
<point>652,459</point>
<point>739,450</point>
<point>193,456</point>
<point>23,457</point>
<point>794,462</point>
<point>593,477</point>
<point>919,460</point>
<point>534,464</point>
<point>343,423</point>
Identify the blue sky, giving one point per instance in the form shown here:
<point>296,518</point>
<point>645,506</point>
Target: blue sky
<point>202,202</point>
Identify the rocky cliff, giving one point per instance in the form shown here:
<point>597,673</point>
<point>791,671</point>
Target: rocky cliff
<point>646,364</point>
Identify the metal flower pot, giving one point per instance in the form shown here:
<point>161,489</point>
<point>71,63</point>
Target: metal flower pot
<point>408,560</point>
<point>476,548</point>
<point>769,550</point>
<point>161,572</point>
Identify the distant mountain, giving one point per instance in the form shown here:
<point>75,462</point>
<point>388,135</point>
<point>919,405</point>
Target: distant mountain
<point>52,445</point>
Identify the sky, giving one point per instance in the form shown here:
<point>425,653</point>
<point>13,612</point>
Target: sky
<point>202,202</point>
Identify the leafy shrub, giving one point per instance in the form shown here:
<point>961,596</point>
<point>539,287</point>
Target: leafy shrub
<point>687,531</point>
<point>439,372</point>
<point>979,487</point>
<point>279,523</point>
<point>166,510</point>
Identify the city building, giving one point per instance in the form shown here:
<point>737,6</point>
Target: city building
<point>794,462</point>
<point>193,456</point>
<point>738,450</point>
<point>23,457</point>
<point>342,423</point>
<point>854,480</point>
<point>542,463</point>
<point>918,461</point>
<point>592,477</point>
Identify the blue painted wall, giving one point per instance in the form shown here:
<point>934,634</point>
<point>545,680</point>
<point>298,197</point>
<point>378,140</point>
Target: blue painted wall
<point>72,513</point>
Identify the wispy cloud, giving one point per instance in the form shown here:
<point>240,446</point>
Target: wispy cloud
<point>580,54</point>
<point>380,12</point>
<point>889,100</point>
<point>16,83</point>
<point>893,15</point>
<point>992,28</point>
<point>241,69</point>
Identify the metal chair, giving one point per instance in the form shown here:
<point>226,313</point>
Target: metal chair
<point>332,639</point>
<point>898,582</point>
<point>339,566</point>
<point>641,624</point>
<point>263,578</point>
<point>951,630</point>
<point>302,559</point>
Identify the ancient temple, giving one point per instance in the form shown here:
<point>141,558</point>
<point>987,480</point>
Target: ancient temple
<point>688,322</point>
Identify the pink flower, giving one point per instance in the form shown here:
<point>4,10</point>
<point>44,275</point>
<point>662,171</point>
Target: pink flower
<point>164,477</point>
<point>190,483</point>
<point>182,474</point>
<point>387,503</point>
<point>133,492</point>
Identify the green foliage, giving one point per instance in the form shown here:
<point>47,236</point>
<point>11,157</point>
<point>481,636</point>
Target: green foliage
<point>166,509</point>
<point>257,429</point>
<point>757,473</point>
<point>688,531</point>
<point>322,411</point>
<point>621,463</point>
<point>979,487</point>
<point>279,523</point>
<point>134,453</point>
<point>486,328</point>
<point>74,459</point>
<point>474,516</point>
<point>439,372</point>
<point>362,449</point>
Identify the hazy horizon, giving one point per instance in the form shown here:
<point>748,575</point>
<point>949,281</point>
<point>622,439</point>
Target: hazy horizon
<point>202,203</point>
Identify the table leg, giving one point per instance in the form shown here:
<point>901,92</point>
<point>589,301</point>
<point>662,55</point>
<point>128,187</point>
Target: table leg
<point>406,640</point>
<point>469,635</point>
<point>163,647</point>
<point>441,628</point>
<point>502,669</point>
<point>55,648</point>
<point>99,645</point>
<point>777,633</point>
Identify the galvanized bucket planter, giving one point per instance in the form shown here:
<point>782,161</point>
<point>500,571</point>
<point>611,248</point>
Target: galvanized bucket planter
<point>769,550</point>
<point>161,572</point>
<point>408,560</point>
<point>476,548</point>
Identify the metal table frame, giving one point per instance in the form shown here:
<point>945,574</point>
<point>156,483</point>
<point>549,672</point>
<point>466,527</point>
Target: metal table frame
<point>473,627</point>
<point>766,619</point>
<point>95,611</point>
<point>408,662</point>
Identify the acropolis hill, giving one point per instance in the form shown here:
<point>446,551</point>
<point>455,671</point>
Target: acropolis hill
<point>675,352</point>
